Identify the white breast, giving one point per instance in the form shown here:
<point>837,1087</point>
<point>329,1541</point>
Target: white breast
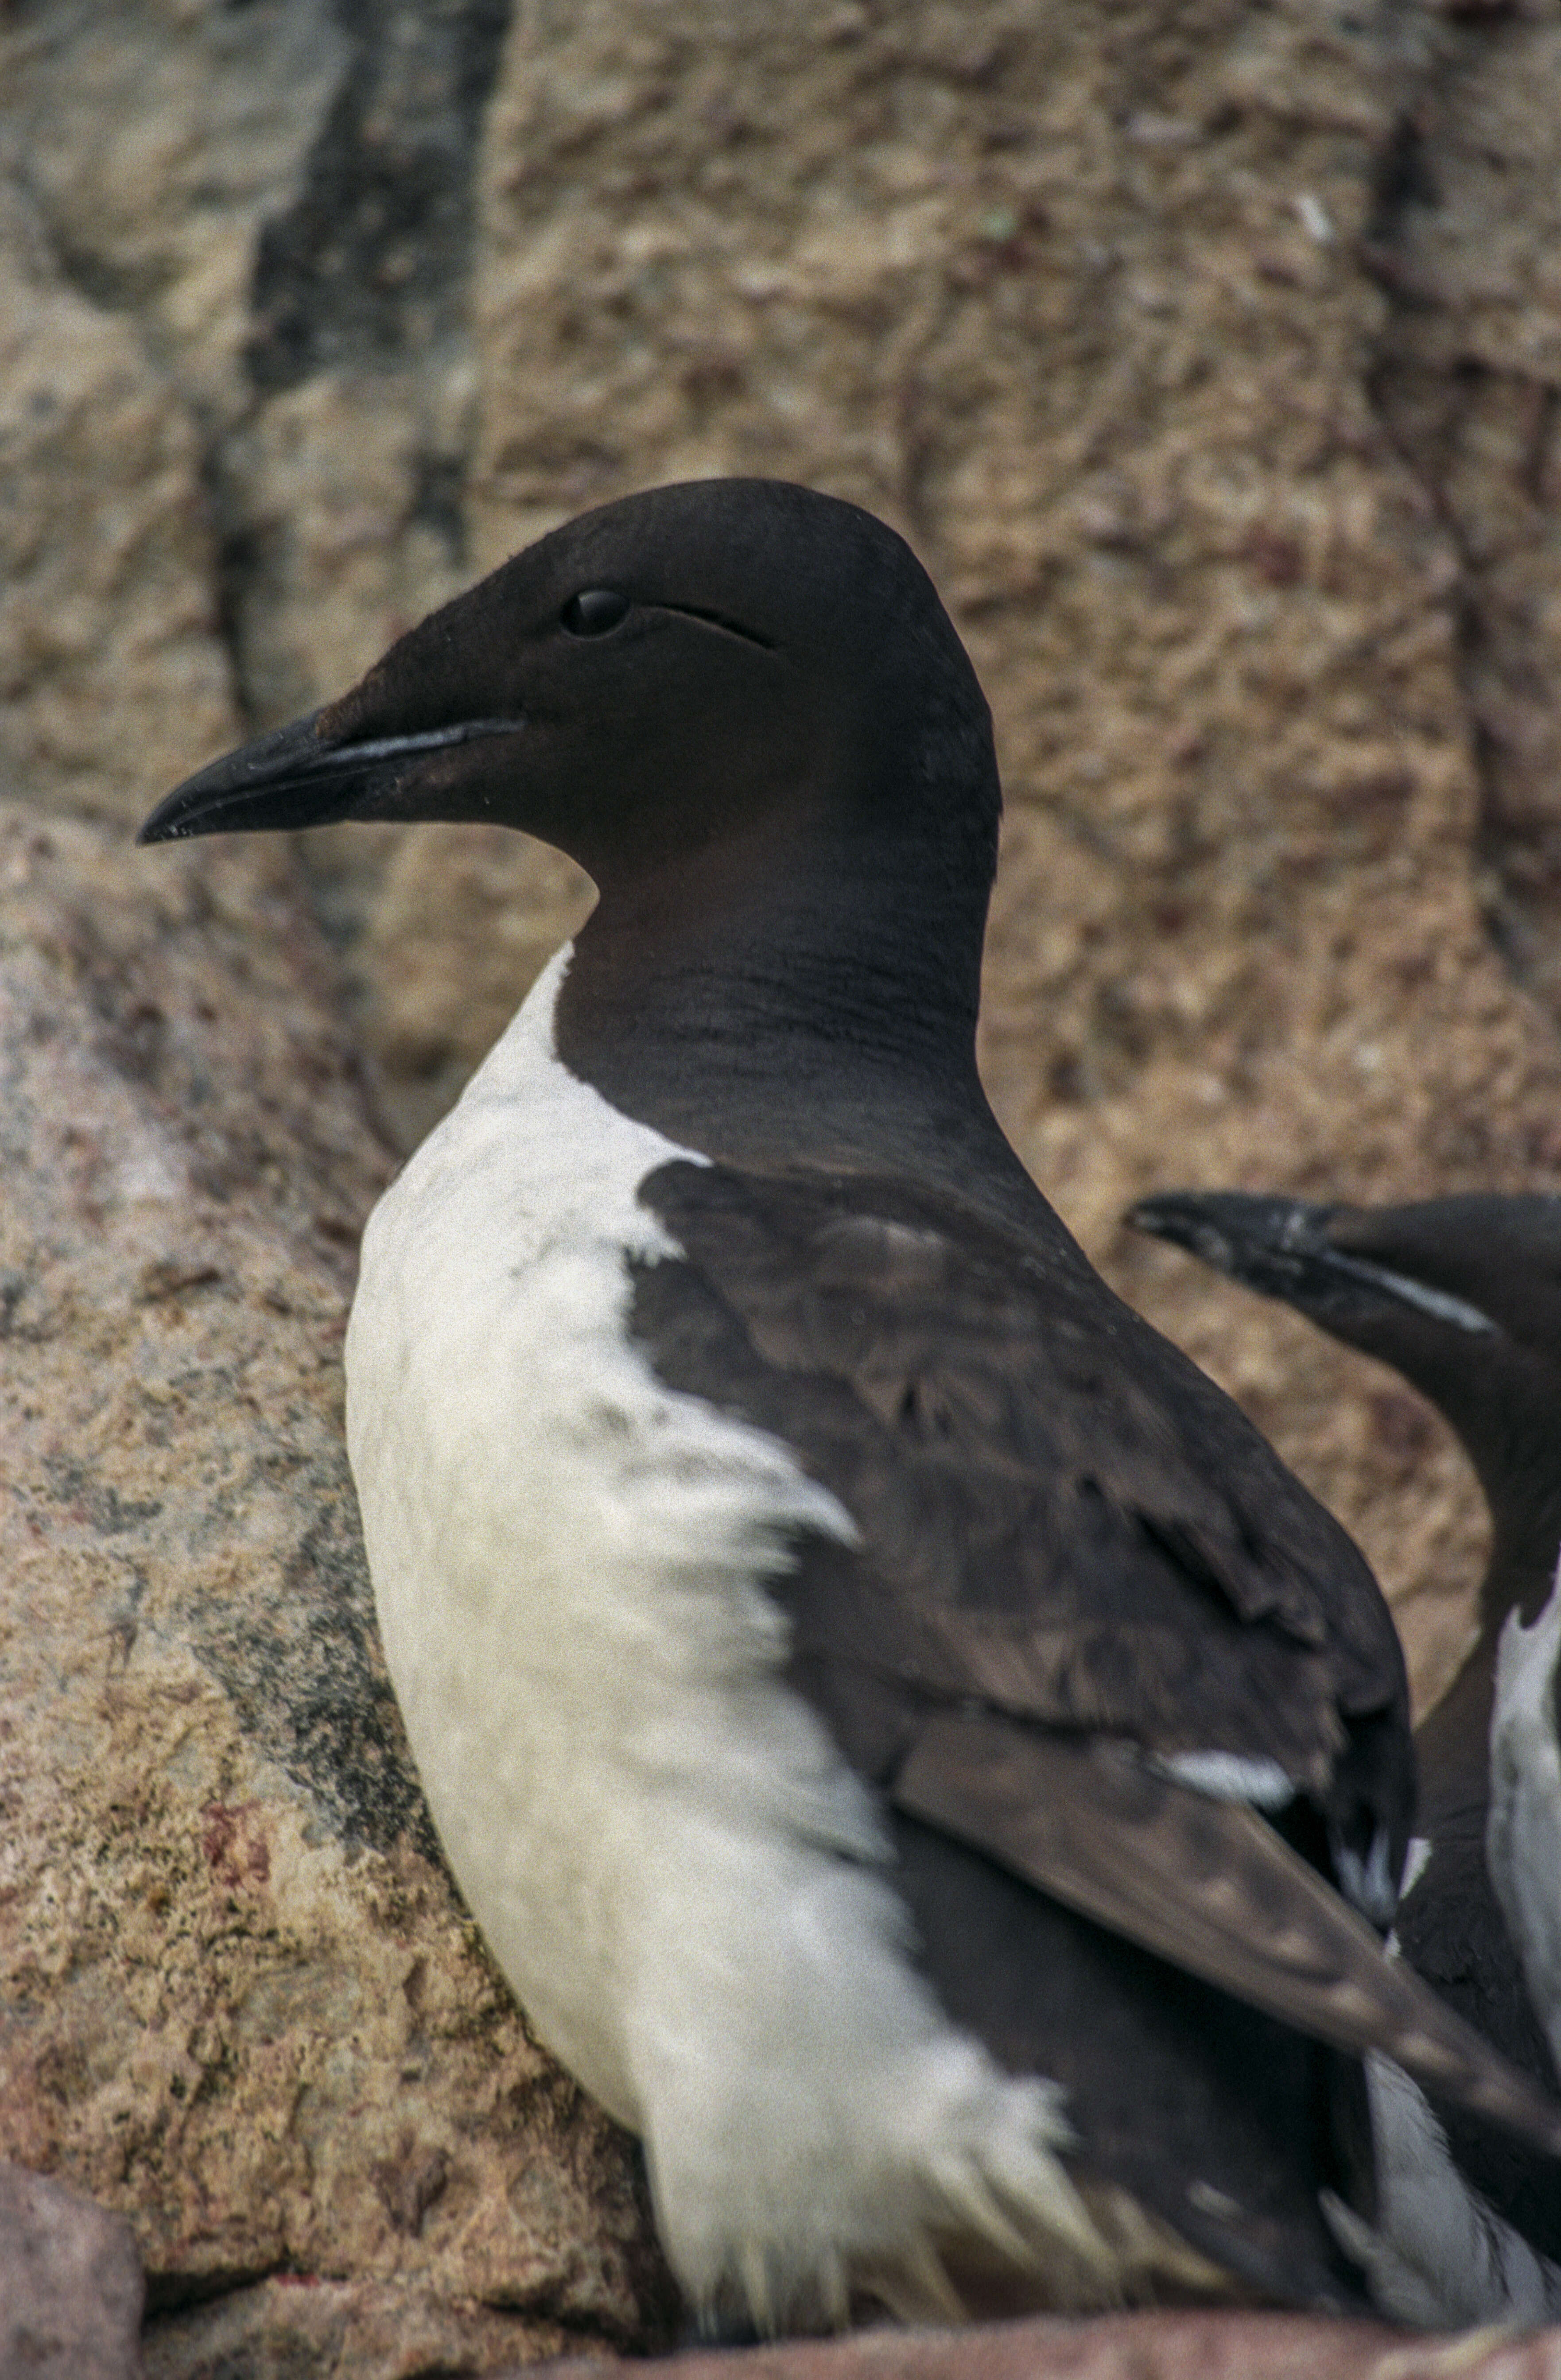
<point>1523,1823</point>
<point>677,1872</point>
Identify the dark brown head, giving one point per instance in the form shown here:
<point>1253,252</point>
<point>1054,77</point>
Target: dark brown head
<point>656,674</point>
<point>1462,1295</point>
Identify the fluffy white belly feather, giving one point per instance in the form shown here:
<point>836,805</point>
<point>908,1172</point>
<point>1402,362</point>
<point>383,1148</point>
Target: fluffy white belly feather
<point>680,1876</point>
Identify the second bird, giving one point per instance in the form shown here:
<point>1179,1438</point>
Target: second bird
<point>1462,1297</point>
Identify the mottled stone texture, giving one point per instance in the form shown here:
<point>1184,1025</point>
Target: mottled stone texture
<point>70,2285</point>
<point>1133,2346</point>
<point>1209,355</point>
<point>1467,243</point>
<point>109,661</point>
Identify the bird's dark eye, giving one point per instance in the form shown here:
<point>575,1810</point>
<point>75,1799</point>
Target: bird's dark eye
<point>594,611</point>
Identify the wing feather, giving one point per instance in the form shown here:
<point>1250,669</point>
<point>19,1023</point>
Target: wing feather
<point>1058,1512</point>
<point>1209,1885</point>
<point>1066,1531</point>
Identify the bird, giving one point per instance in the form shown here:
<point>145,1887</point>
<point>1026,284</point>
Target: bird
<point>917,1757</point>
<point>1462,1297</point>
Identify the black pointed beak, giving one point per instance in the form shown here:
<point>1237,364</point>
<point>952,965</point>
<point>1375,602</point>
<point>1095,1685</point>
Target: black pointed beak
<point>1277,1246</point>
<point>1285,1248</point>
<point>298,777</point>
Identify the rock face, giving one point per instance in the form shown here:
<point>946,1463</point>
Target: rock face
<point>1468,380</point>
<point>70,2285</point>
<point>109,659</point>
<point>1210,358</point>
<point>1137,2347</point>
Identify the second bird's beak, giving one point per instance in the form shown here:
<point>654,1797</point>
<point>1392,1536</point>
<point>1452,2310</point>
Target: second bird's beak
<point>1278,1246</point>
<point>1287,1248</point>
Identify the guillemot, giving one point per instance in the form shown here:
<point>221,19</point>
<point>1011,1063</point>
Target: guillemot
<point>896,1724</point>
<point>1462,1297</point>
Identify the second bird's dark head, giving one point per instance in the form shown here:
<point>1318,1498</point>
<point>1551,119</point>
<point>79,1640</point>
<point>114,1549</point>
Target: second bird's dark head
<point>670,670</point>
<point>1461,1295</point>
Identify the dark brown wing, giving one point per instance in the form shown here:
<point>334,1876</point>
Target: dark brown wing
<point>1060,1513</point>
<point>1210,1887</point>
<point>1062,1523</point>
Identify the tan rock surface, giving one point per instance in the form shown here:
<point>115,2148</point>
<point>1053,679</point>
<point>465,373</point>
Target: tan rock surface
<point>1135,2347</point>
<point>300,2328</point>
<point>241,2004</point>
<point>154,135</point>
<point>251,383</point>
<point>1469,384</point>
<point>70,2285</point>
<point>111,666</point>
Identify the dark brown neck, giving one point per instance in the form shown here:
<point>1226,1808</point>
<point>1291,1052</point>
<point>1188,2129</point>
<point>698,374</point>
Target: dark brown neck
<point>784,998</point>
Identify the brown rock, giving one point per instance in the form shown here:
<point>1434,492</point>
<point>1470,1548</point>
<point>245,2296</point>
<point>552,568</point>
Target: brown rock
<point>144,144</point>
<point>70,2285</point>
<point>1469,380</point>
<point>300,2328</point>
<point>155,138</point>
<point>327,479</point>
<point>110,669</point>
<point>1135,2347</point>
<point>253,229</point>
<point>244,2008</point>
